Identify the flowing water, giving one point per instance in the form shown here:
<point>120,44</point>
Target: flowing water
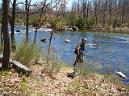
<point>109,50</point>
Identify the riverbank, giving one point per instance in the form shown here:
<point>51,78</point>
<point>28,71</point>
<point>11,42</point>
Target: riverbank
<point>41,84</point>
<point>123,30</point>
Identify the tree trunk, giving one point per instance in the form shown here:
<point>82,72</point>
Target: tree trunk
<point>87,11</point>
<point>96,20</point>
<point>35,35</point>
<point>122,17</point>
<point>4,30</point>
<point>110,12</point>
<point>1,34</point>
<point>104,12</point>
<point>13,46</point>
<point>84,10</point>
<point>96,12</point>
<point>49,47</point>
<point>87,14</point>
<point>1,39</point>
<point>110,17</point>
<point>78,9</point>
<point>50,39</point>
<point>104,20</point>
<point>27,20</point>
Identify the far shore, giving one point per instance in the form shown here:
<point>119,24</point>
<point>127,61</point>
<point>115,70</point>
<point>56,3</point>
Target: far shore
<point>121,30</point>
<point>117,30</point>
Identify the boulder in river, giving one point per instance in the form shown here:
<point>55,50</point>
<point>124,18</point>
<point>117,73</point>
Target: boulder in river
<point>43,40</point>
<point>18,30</point>
<point>67,41</point>
<point>122,75</point>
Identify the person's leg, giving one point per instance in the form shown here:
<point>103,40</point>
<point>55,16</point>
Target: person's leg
<point>76,63</point>
<point>81,57</point>
<point>76,60</point>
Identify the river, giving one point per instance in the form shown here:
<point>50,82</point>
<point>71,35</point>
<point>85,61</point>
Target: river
<point>109,50</point>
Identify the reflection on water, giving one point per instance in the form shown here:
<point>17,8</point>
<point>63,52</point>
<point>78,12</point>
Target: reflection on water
<point>111,50</point>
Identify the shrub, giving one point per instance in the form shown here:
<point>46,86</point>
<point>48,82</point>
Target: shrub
<point>19,21</point>
<point>87,68</point>
<point>80,22</point>
<point>54,64</point>
<point>26,53</point>
<point>58,23</point>
<point>91,21</point>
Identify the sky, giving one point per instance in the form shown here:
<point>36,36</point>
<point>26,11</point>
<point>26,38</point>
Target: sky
<point>69,2</point>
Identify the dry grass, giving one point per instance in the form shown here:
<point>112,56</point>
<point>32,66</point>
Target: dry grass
<point>27,54</point>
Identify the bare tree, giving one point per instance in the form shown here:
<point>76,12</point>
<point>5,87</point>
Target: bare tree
<point>110,11</point>
<point>4,30</point>
<point>44,9</point>
<point>38,24</point>
<point>27,10</point>
<point>104,7</point>
<point>124,10</point>
<point>62,7</point>
<point>78,8</point>
<point>12,24</point>
<point>85,9</point>
<point>95,5</point>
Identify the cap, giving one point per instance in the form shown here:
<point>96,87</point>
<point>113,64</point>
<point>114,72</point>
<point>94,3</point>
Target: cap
<point>84,39</point>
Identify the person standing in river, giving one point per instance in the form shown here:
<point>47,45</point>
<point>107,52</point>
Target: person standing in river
<point>82,48</point>
<point>79,51</point>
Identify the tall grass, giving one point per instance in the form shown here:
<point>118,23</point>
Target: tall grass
<point>54,64</point>
<point>27,53</point>
<point>31,54</point>
<point>87,68</point>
